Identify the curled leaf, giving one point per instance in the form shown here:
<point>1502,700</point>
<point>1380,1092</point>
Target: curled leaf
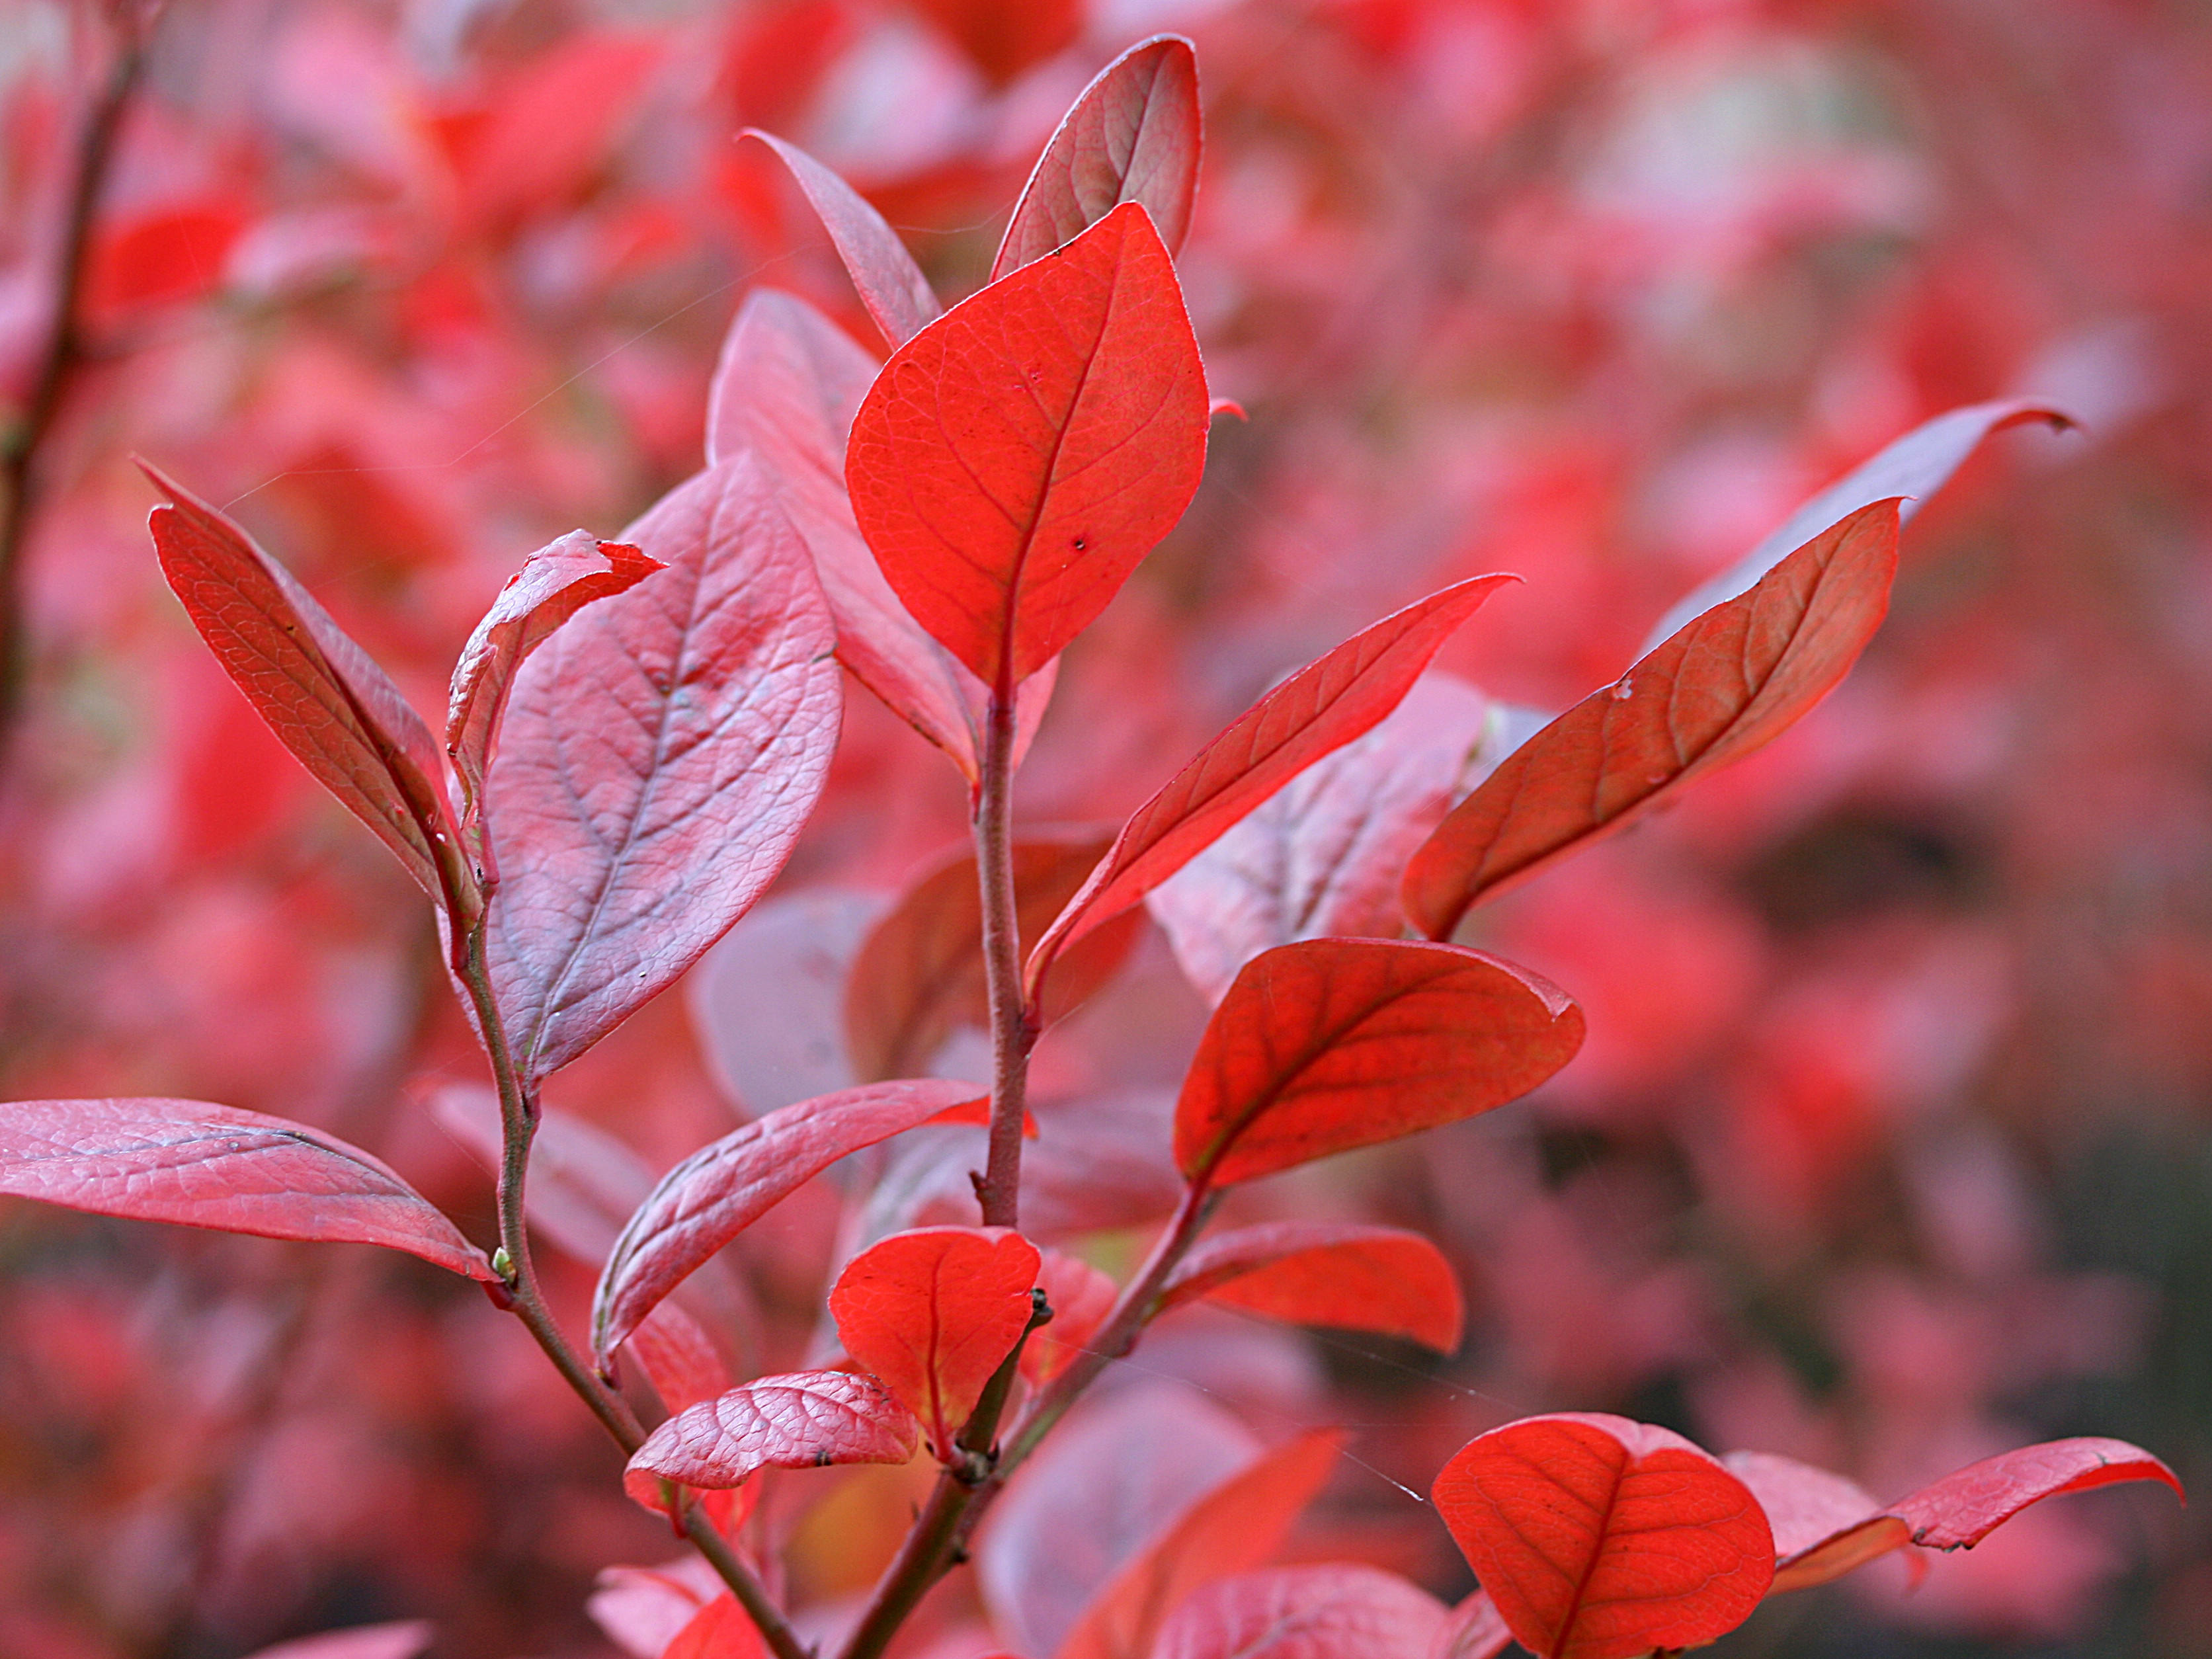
<point>1963,1508</point>
<point>1824,1525</point>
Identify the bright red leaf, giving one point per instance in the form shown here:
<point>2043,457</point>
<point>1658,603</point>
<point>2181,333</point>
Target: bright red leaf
<point>216,1166</point>
<point>1329,1044</point>
<point>932,1313</point>
<point>1327,704</point>
<point>1131,137</point>
<point>554,583</point>
<point>1962,1509</point>
<point>1233,1528</point>
<point>1080,1297</point>
<point>660,754</point>
<point>804,1420</point>
<point>719,1190</point>
<point>1004,36</point>
<point>1016,458</point>
<point>1332,1612</point>
<point>720,1630</point>
<point>1734,678</point>
<point>1598,1538</point>
<point>320,693</point>
<point>891,286</point>
<point>1356,1278</point>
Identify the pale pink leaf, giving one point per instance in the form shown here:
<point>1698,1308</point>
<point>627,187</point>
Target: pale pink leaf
<point>1306,1612</point>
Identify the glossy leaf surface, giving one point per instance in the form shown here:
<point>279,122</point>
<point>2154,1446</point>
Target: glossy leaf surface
<point>1329,1612</point>
<point>933,1312</point>
<point>1335,699</point>
<point>1329,1044</point>
<point>1962,1509</point>
<point>1731,680</point>
<point>719,1190</point>
<point>1131,137</point>
<point>1356,1278</point>
<point>320,693</point>
<point>892,289</point>
<point>660,754</point>
<point>186,1161</point>
<point>1231,1529</point>
<point>1599,1538</point>
<point>803,1420</point>
<point>1016,458</point>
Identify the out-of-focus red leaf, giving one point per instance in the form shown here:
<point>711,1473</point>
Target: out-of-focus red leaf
<point>322,694</point>
<point>1333,1612</point>
<point>890,285</point>
<point>1599,1538</point>
<point>1473,1631</point>
<point>641,1609</point>
<point>549,126</point>
<point>788,385</point>
<point>1131,137</point>
<point>1963,1508</point>
<point>1335,699</point>
<point>919,975</point>
<point>1324,856</point>
<point>1016,458</point>
<point>933,1312</point>
<point>1320,1273</point>
<point>554,583</point>
<point>720,1630</point>
<point>1004,36</point>
<point>1080,1297</point>
<point>659,756</point>
<point>1824,1525</point>
<point>172,254</point>
<point>1329,1044</point>
<point>403,1639</point>
<point>202,1165</point>
<point>1913,468</point>
<point>1233,1528</point>
<point>719,1190</point>
<point>804,1420</point>
<point>678,1358</point>
<point>1733,679</point>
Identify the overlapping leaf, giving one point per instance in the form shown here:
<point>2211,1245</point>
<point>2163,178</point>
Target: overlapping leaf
<point>1332,1612</point>
<point>719,1190</point>
<point>804,1420</point>
<point>659,756</point>
<point>1383,1280</point>
<point>720,1630</point>
<point>1080,1297</point>
<point>1131,137</point>
<point>1473,1631</point>
<point>1824,1525</point>
<point>186,1161</point>
<point>1333,700</point>
<point>1730,681</point>
<point>678,1358</point>
<point>1017,458</point>
<point>892,289</point>
<point>933,1313</point>
<point>1329,1044</point>
<point>1963,1508</point>
<point>1599,1538</point>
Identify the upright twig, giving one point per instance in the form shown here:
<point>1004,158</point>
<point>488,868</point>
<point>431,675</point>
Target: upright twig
<point>62,349</point>
<point>1012,1032</point>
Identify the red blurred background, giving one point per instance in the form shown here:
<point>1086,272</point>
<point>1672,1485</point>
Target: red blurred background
<point>1890,1146</point>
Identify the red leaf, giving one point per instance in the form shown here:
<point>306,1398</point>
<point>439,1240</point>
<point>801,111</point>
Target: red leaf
<point>720,1630</point>
<point>1233,1528</point>
<point>919,975</point>
<point>322,694</point>
<point>1080,1297</point>
<point>1824,1525</point>
<point>1324,857</point>
<point>788,385</point>
<point>1962,1509</point>
<point>1914,467</point>
<point>661,753</point>
<point>1004,36</point>
<point>678,1359</point>
<point>1730,681</point>
<point>719,1190</point>
<point>1131,137</point>
<point>1473,1631</point>
<point>401,1640</point>
<point>1017,458</point>
<point>554,121</point>
<point>171,254</point>
<point>933,1312</point>
<point>1598,1538</point>
<point>1329,1044</point>
<point>1319,1273</point>
<point>1306,1613</point>
<point>805,1421</point>
<point>216,1166</point>
<point>890,285</point>
<point>1324,706</point>
<point>554,583</point>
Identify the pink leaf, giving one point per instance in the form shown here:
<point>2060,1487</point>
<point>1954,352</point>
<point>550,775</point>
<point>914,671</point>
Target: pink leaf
<point>661,754</point>
<point>1824,1525</point>
<point>1131,137</point>
<point>215,1166</point>
<point>719,1190</point>
<point>678,1359</point>
<point>807,1419</point>
<point>1325,705</point>
<point>1319,1273</point>
<point>1962,1509</point>
<point>402,1640</point>
<point>890,285</point>
<point>1473,1631</point>
<point>1306,1612</point>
